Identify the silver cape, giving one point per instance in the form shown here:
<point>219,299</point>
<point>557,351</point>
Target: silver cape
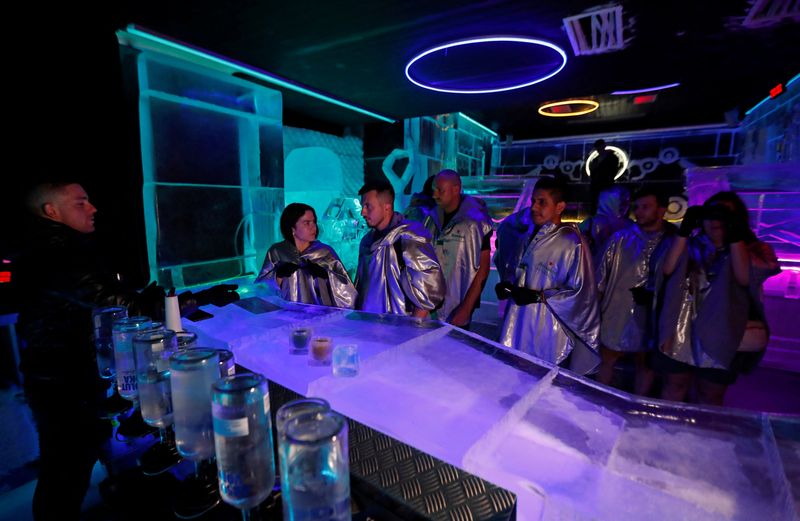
<point>557,262</point>
<point>510,234</point>
<point>398,270</point>
<point>704,313</point>
<point>337,290</point>
<point>632,258</point>
<point>458,247</point>
<point>611,217</point>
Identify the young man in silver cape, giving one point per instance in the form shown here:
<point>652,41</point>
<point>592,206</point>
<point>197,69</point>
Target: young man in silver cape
<point>398,271</point>
<point>553,312</point>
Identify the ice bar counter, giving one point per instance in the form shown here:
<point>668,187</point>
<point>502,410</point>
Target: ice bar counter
<point>569,448</point>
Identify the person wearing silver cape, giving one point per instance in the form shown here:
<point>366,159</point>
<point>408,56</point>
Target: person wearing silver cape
<point>553,312</point>
<point>398,271</point>
<point>629,276</point>
<point>705,306</point>
<point>303,269</point>
<point>613,205</point>
<point>462,231</point>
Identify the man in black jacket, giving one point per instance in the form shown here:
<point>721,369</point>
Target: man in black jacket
<point>61,278</point>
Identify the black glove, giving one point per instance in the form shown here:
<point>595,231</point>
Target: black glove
<point>218,295</point>
<point>315,270</point>
<point>525,296</point>
<point>503,290</point>
<point>693,218</point>
<point>285,269</point>
<point>642,296</point>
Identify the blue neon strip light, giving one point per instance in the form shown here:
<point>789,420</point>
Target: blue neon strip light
<point>642,91</point>
<point>792,80</point>
<point>487,39</point>
<point>754,107</point>
<point>240,67</point>
<point>484,127</point>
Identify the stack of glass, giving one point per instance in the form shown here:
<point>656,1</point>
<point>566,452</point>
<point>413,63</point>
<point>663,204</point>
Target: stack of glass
<point>102,322</point>
<point>315,470</point>
<point>123,332</point>
<point>192,373</point>
<point>243,440</point>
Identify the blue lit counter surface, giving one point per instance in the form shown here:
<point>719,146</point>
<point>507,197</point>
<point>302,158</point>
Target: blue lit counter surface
<point>568,447</point>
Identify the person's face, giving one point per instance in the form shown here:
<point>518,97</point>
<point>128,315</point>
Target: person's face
<point>71,206</point>
<point>647,212</point>
<point>544,209</point>
<point>305,229</point>
<point>375,211</point>
<point>446,193</point>
<point>715,228</point>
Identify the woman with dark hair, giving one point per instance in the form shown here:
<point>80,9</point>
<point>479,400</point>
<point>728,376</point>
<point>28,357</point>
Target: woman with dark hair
<point>763,265</point>
<point>303,269</point>
<point>705,307</point>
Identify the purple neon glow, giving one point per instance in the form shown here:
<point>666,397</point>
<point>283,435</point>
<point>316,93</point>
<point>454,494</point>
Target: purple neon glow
<point>642,91</point>
<point>464,60</point>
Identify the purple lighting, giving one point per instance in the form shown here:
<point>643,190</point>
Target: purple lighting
<point>486,64</point>
<point>641,91</point>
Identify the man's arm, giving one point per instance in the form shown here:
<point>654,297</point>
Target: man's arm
<point>462,315</point>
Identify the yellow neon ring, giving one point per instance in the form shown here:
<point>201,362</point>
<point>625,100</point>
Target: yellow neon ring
<point>592,106</point>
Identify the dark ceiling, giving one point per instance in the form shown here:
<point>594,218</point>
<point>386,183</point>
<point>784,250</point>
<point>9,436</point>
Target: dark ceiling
<point>357,51</point>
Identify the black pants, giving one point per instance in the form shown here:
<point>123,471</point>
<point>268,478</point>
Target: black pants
<point>70,437</point>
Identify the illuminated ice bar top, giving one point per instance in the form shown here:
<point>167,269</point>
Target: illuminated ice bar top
<point>567,446</point>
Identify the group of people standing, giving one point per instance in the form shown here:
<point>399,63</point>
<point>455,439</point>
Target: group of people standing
<point>435,265</point>
<point>684,301</point>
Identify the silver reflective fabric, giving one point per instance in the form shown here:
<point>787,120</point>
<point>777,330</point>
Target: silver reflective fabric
<point>632,258</point>
<point>388,283</point>
<point>704,314</point>
<point>611,216</point>
<point>556,261</point>
<point>510,234</point>
<point>458,248</point>
<point>337,290</point>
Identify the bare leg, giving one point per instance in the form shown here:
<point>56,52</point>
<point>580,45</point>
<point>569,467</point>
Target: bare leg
<point>608,357</point>
<point>676,386</point>
<point>644,375</point>
<point>710,393</point>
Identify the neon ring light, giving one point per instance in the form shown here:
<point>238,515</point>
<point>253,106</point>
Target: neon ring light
<point>552,68</point>
<point>588,104</point>
<point>623,161</point>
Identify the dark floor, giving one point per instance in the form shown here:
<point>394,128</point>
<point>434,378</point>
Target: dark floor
<point>766,389</point>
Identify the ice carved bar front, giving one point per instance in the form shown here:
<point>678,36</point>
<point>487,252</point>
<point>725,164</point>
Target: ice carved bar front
<point>566,446</point>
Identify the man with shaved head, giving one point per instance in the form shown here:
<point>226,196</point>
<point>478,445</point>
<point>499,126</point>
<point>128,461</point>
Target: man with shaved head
<point>398,271</point>
<point>462,231</point>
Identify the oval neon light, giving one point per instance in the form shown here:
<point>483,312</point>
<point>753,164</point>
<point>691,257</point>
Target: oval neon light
<point>623,159</point>
<point>487,39</point>
<point>591,106</point>
<point>641,91</point>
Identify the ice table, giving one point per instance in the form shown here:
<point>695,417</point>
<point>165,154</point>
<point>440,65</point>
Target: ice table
<point>567,447</point>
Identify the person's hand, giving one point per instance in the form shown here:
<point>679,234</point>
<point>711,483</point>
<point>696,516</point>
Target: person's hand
<point>525,296</point>
<point>692,219</point>
<point>736,230</point>
<point>219,295</point>
<point>503,290</point>
<point>285,269</point>
<point>642,296</point>
<point>153,292</point>
<point>315,270</point>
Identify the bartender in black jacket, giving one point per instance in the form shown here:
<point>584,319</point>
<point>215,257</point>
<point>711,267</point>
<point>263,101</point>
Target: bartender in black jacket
<point>61,278</point>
